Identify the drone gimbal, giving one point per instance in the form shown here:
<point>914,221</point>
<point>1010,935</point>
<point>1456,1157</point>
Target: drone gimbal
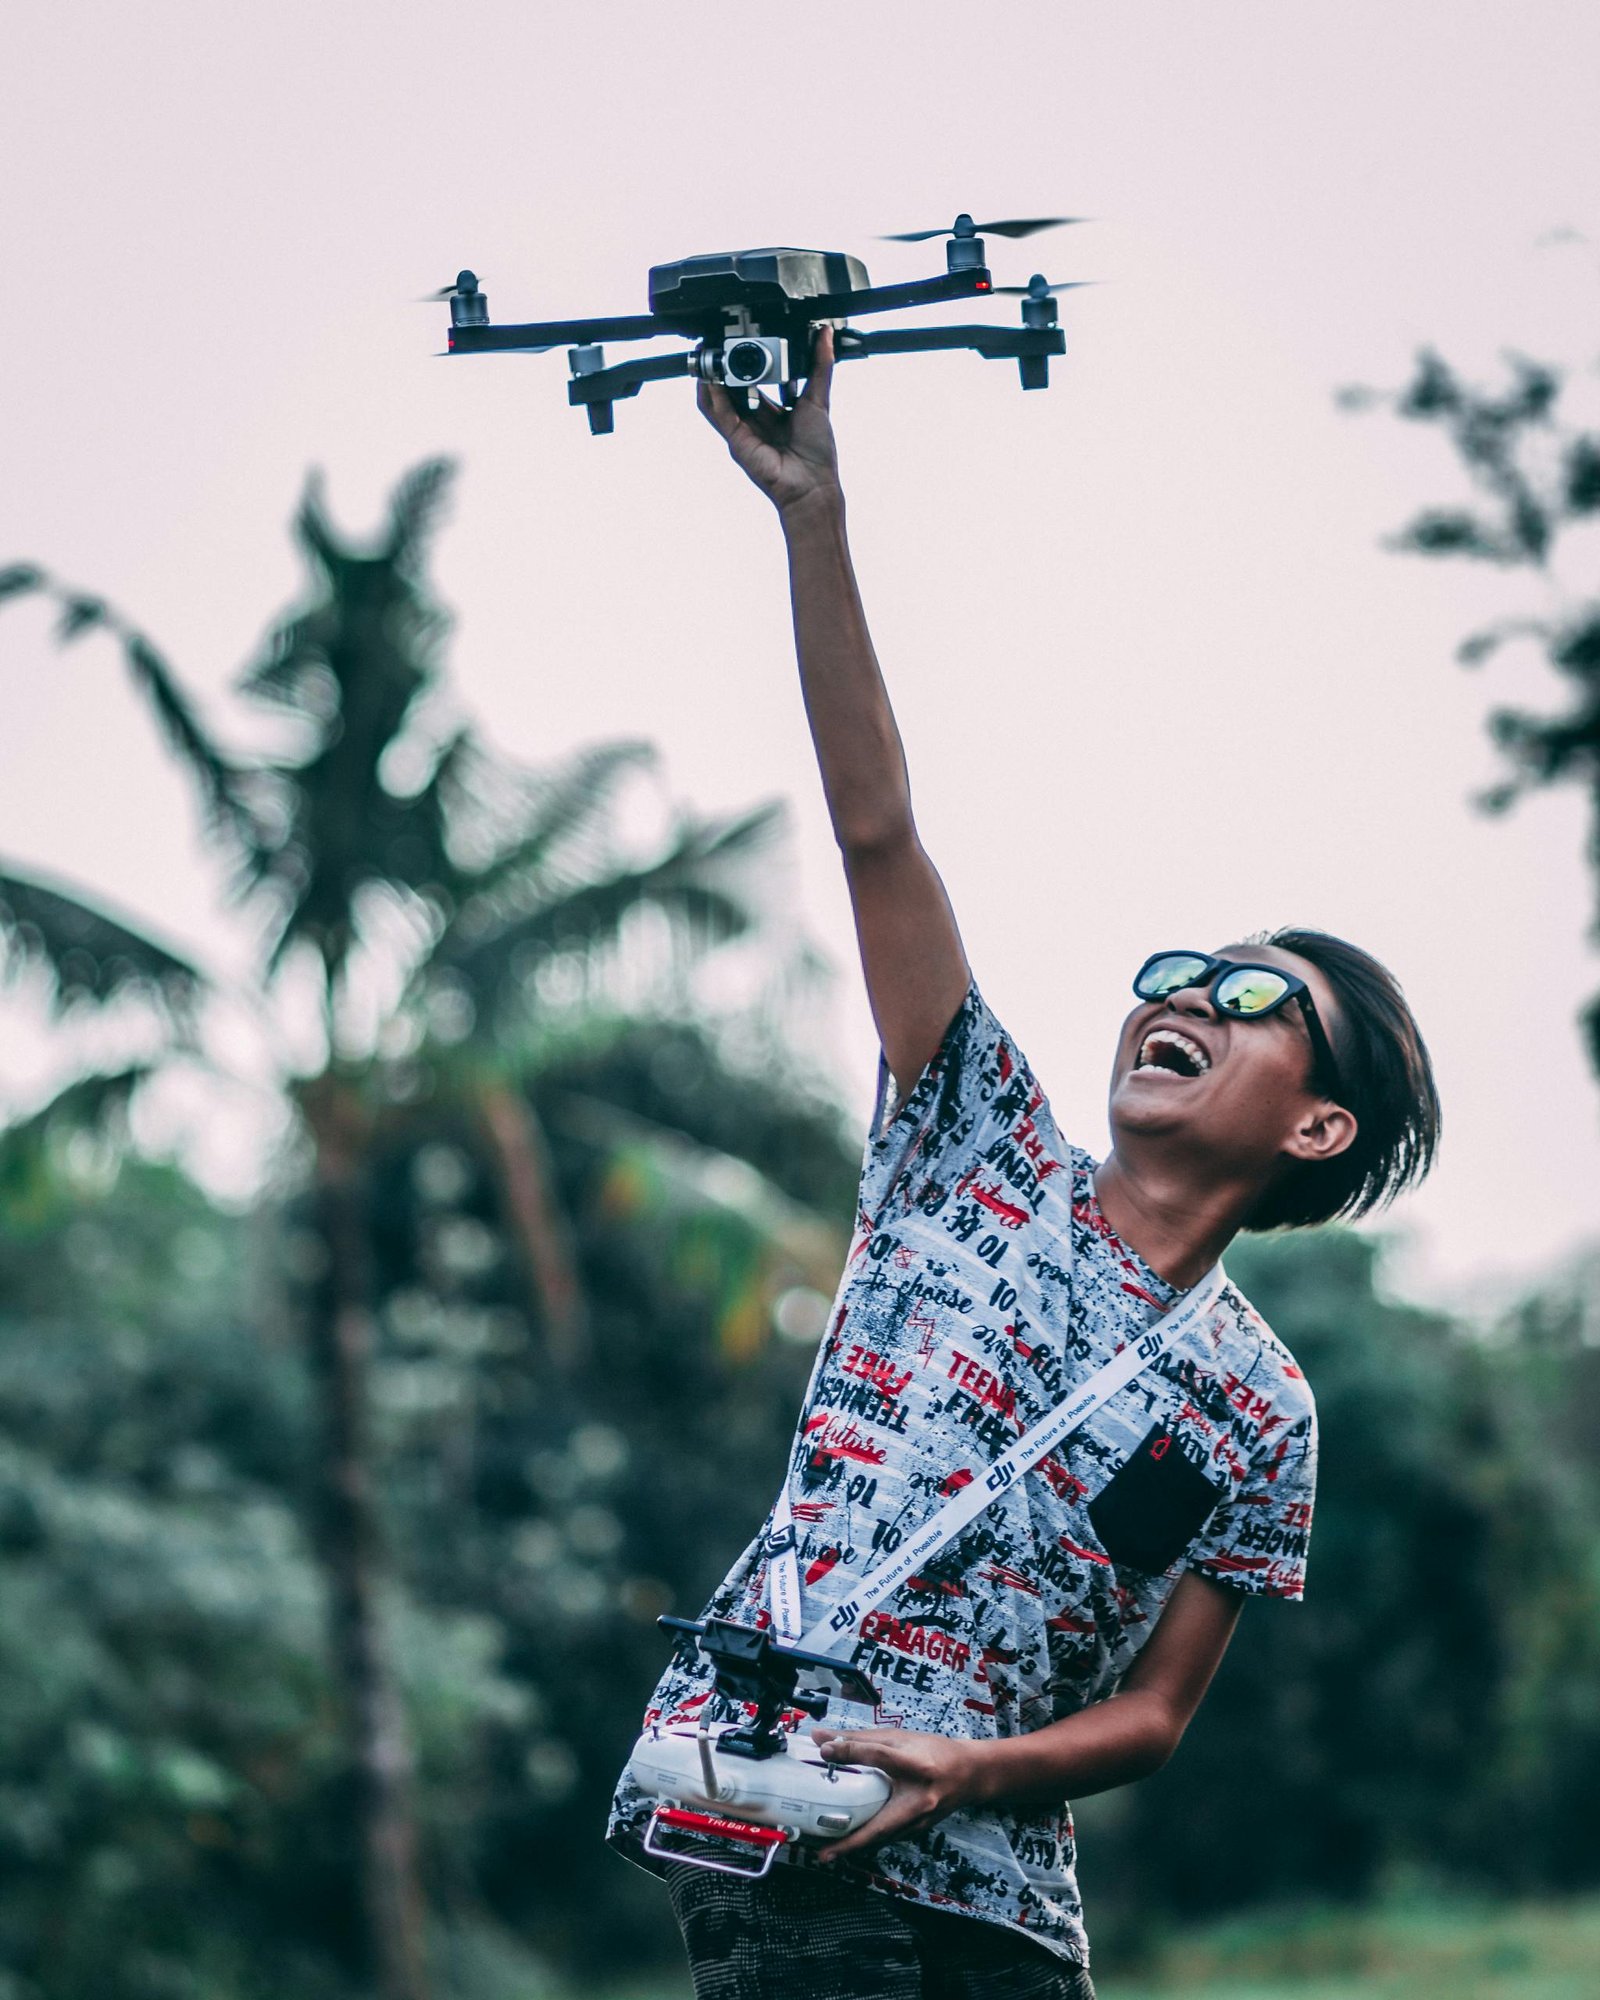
<point>753,316</point>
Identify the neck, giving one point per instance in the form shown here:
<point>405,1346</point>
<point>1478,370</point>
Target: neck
<point>1178,1221</point>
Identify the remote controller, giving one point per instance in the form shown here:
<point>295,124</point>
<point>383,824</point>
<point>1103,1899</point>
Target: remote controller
<point>756,1803</point>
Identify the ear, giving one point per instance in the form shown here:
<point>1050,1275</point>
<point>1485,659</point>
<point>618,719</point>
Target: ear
<point>1325,1131</point>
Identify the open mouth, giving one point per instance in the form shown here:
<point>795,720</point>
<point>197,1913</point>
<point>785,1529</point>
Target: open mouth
<point>1166,1049</point>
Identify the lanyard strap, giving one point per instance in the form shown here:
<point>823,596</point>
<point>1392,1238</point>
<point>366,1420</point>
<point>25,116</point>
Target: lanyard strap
<point>781,1543</point>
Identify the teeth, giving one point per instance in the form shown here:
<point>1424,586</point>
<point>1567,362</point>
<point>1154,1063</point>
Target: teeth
<point>1170,1038</point>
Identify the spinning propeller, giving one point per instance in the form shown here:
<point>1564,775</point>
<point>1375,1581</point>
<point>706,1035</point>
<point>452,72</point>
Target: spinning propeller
<point>965,226</point>
<point>1041,287</point>
<point>465,287</point>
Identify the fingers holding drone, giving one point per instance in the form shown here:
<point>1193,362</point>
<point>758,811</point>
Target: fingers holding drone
<point>819,385</point>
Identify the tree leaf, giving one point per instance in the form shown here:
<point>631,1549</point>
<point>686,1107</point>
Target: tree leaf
<point>416,506</point>
<point>88,957</point>
<point>1434,390</point>
<point>19,578</point>
<point>1475,649</point>
<point>1453,532</point>
<point>79,615</point>
<point>1582,475</point>
<point>221,785</point>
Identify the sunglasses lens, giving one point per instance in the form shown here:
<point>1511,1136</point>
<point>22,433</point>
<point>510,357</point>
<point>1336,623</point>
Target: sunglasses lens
<point>1250,990</point>
<point>1166,974</point>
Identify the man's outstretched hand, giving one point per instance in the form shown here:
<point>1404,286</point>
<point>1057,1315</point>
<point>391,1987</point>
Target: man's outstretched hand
<point>789,454</point>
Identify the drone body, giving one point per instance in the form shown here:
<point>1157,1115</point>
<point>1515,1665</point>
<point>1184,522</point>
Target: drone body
<point>753,316</point>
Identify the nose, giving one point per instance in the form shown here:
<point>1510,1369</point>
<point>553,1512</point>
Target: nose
<point>1195,1001</point>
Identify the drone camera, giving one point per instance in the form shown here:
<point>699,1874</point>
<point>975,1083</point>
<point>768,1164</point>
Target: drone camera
<point>746,361</point>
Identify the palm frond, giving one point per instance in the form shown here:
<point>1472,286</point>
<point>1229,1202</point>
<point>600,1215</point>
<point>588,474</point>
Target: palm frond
<point>493,944</point>
<point>496,965</point>
<point>313,530</point>
<point>415,508</point>
<point>222,784</point>
<point>730,842</point>
<point>223,787</point>
<point>559,811</point>
<point>89,958</point>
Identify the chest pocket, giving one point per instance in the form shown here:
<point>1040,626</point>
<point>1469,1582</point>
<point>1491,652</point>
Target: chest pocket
<point>1152,1507</point>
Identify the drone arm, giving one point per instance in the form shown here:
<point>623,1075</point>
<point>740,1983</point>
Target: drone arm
<point>972,284</point>
<point>625,378</point>
<point>994,343</point>
<point>555,333</point>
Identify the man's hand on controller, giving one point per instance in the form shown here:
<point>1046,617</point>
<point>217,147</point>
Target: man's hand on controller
<point>931,1776</point>
<point>789,454</point>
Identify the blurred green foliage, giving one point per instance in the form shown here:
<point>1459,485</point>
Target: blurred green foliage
<point>172,1821</point>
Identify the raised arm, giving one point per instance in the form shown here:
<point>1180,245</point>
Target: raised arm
<point>911,953</point>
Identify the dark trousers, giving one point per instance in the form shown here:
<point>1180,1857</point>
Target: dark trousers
<point>803,1934</point>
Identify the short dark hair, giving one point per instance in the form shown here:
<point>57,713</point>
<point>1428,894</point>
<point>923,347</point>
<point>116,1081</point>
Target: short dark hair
<point>1388,1086</point>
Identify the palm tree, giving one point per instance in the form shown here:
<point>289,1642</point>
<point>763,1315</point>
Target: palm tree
<point>430,885</point>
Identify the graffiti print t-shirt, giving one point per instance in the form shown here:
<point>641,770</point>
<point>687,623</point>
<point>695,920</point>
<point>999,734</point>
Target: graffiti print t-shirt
<point>956,1327</point>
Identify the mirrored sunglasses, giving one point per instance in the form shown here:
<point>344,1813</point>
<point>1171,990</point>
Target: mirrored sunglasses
<point>1249,992</point>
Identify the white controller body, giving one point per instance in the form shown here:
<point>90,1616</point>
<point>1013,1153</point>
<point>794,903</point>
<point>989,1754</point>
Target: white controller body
<point>795,1790</point>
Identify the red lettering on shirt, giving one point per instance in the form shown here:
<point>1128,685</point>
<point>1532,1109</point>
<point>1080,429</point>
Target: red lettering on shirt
<point>1063,1623</point>
<point>876,1369</point>
<point>823,1564</point>
<point>844,1440</point>
<point>1012,1579</point>
<point>1245,1399</point>
<point>1063,1484</point>
<point>948,1586</point>
<point>988,1194</point>
<point>920,1642</point>
<point>981,1383</point>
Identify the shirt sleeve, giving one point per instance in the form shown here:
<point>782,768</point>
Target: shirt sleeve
<point>1256,1540</point>
<point>974,1093</point>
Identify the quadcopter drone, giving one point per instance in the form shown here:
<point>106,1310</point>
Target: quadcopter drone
<point>753,316</point>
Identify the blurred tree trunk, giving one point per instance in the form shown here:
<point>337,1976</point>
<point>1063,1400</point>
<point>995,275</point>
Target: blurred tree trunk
<point>539,1225</point>
<point>340,1335</point>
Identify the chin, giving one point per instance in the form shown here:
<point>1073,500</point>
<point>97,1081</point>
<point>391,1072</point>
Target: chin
<point>1132,1111</point>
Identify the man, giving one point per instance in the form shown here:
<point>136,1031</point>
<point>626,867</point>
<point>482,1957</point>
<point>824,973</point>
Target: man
<point>1060,1643</point>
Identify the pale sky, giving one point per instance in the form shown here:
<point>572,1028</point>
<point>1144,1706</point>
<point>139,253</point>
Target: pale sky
<point>1158,680</point>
